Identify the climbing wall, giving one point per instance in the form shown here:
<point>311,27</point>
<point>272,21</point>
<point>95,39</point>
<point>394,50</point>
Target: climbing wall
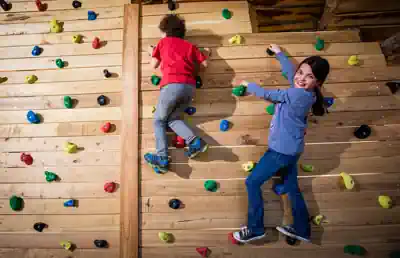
<point>353,217</point>
<point>82,175</point>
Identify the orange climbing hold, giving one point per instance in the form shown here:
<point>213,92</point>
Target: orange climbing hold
<point>203,251</point>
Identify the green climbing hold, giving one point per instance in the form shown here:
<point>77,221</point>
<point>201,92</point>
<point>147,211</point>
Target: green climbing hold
<point>239,91</point>
<point>355,250</point>
<point>155,80</point>
<point>50,176</point>
<point>307,168</point>
<point>60,63</point>
<point>211,185</point>
<point>320,44</point>
<point>16,203</point>
<point>285,75</point>
<point>67,102</point>
<point>271,109</point>
<point>226,14</point>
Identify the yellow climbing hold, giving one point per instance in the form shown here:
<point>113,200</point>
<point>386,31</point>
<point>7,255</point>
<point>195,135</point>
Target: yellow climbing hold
<point>165,237</point>
<point>353,60</point>
<point>385,201</point>
<point>317,220</point>
<point>248,167</point>
<point>153,109</point>
<point>307,168</point>
<point>67,245</point>
<point>31,79</point>
<point>236,40</point>
<point>70,147</point>
<point>347,180</point>
<point>55,27</point>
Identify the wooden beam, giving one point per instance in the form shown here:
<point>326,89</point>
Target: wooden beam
<point>129,232</point>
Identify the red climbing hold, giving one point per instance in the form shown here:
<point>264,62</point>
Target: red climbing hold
<point>96,43</point>
<point>178,142</point>
<point>106,127</point>
<point>110,187</point>
<point>40,6</point>
<point>232,239</point>
<point>203,251</point>
<point>26,158</point>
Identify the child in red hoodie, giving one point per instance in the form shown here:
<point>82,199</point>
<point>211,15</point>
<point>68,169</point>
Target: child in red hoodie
<point>180,61</point>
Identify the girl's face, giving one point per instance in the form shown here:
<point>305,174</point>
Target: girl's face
<point>304,78</point>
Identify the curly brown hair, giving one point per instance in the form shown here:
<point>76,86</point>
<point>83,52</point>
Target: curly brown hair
<point>173,26</point>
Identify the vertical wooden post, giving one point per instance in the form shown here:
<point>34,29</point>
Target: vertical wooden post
<point>129,238</point>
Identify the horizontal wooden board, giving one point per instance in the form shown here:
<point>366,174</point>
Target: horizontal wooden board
<point>57,129</point>
<point>295,26</point>
<point>57,253</point>
<point>63,115</point>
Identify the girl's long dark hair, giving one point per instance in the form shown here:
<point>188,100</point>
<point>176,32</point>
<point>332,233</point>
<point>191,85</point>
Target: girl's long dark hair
<point>320,68</point>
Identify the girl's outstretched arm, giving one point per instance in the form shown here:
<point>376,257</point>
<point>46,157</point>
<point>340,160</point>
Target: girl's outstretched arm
<point>288,67</point>
<point>271,95</point>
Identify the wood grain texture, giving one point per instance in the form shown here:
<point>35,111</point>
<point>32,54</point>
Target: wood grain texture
<point>56,253</point>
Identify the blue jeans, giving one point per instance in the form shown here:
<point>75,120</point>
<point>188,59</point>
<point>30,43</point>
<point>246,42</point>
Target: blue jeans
<point>267,167</point>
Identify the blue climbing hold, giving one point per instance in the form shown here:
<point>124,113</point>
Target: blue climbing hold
<point>279,189</point>
<point>190,110</point>
<point>70,203</point>
<point>329,101</point>
<point>36,51</point>
<point>224,125</point>
<point>91,15</point>
<point>32,117</point>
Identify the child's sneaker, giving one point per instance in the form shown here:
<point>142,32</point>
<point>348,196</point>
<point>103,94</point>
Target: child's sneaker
<point>245,235</point>
<point>290,232</point>
<point>195,147</point>
<point>158,163</point>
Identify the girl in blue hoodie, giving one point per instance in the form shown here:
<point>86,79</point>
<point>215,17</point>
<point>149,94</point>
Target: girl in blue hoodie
<point>285,144</point>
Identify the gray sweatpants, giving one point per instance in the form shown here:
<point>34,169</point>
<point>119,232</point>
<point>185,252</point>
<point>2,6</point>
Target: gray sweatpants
<point>174,99</point>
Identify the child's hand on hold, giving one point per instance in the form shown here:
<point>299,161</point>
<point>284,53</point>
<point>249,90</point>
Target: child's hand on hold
<point>206,51</point>
<point>275,48</point>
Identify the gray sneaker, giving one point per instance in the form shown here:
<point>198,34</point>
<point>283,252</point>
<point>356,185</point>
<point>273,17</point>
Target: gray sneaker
<point>290,232</point>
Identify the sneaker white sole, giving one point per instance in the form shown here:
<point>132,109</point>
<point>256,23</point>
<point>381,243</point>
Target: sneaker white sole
<point>204,149</point>
<point>237,238</point>
<point>289,234</point>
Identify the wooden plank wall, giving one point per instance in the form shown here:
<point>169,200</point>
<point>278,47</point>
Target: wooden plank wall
<point>82,174</point>
<point>360,97</point>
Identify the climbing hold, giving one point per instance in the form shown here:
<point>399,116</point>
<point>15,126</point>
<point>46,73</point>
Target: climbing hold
<point>236,40</point>
<point>203,251</point>
<point>16,203</point>
<point>91,15</point>
<point>320,44</point>
<point>50,176</point>
<point>224,125</point>
<point>317,220</point>
<point>67,245</point>
<point>347,180</point>
<point>329,101</point>
<point>362,132</point>
<point>76,4</point>
<point>55,26</point>
<point>174,204</point>
<point>270,52</point>
<point>248,167</point>
<point>26,158</point>
<point>100,243</point>
<point>70,203</point>
<point>70,147</point>
<point>40,6</point>
<point>239,90</point>
<point>171,5</point>
<point>77,38</point>
<point>307,168</point>
<point>226,14</point>
<point>385,201</point>
<point>284,74</point>
<point>355,250</point>
<point>178,142</point>
<point>60,63</point>
<point>199,82</point>
<point>353,60</point>
<point>393,86</point>
<point>153,109</point>
<point>102,100</point>
<point>39,226</point>
<point>155,80</point>
<point>30,79</point>
<point>190,110</point>
<point>279,189</point>
<point>106,73</point>
<point>110,187</point>
<point>165,237</point>
<point>211,185</point>
<point>291,240</point>
<point>68,102</point>
<point>105,128</point>
<point>271,109</point>
<point>3,79</point>
<point>32,117</point>
<point>36,51</point>
<point>96,43</point>
<point>232,239</point>
<point>5,6</point>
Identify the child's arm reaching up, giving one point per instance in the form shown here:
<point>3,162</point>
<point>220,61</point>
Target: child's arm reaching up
<point>271,95</point>
<point>287,66</point>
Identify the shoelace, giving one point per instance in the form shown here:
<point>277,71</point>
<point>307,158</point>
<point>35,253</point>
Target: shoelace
<point>244,231</point>
<point>153,158</point>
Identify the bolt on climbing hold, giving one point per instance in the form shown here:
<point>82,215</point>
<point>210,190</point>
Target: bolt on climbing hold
<point>102,100</point>
<point>55,26</point>
<point>320,44</point>
<point>60,63</point>
<point>110,187</point>
<point>224,125</point>
<point>279,189</point>
<point>353,60</point>
<point>307,168</point>
<point>5,6</point>
<point>105,128</point>
<point>91,15</point>
<point>270,109</point>
<point>50,176</point>
<point>32,117</point>
<point>40,6</point>
<point>363,132</point>
<point>355,250</point>
<point>329,101</point>
<point>16,203</point>
<point>153,109</point>
<point>68,102</point>
<point>96,43</point>
<point>317,220</point>
<point>239,90</point>
<point>76,4</point>
<point>190,110</point>
<point>100,243</point>
<point>165,237</point>
<point>106,73</point>
<point>347,180</point>
<point>270,52</point>
<point>70,203</point>
<point>174,204</point>
<point>155,80</point>
<point>178,142</point>
<point>30,79</point>
<point>171,5</point>
<point>70,147</point>
<point>393,86</point>
<point>249,166</point>
<point>26,158</point>
<point>67,245</point>
<point>203,251</point>
<point>3,79</point>
<point>236,40</point>
<point>226,14</point>
<point>199,82</point>
<point>284,74</point>
<point>36,51</point>
<point>211,185</point>
<point>232,239</point>
<point>385,201</point>
<point>77,38</point>
<point>39,226</point>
